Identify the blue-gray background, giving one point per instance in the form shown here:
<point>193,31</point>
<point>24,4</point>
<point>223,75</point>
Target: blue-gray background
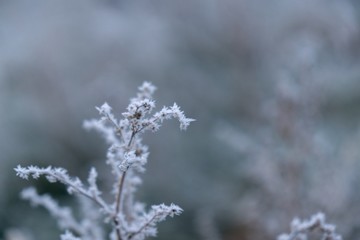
<point>274,86</point>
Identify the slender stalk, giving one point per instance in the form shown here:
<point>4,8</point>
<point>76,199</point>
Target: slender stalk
<point>118,205</point>
<point>118,197</point>
<point>131,138</point>
<point>117,127</point>
<point>119,194</point>
<point>143,227</point>
<point>118,234</point>
<point>98,200</point>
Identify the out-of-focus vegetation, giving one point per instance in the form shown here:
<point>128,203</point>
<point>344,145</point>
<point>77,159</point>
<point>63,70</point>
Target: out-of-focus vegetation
<point>274,86</point>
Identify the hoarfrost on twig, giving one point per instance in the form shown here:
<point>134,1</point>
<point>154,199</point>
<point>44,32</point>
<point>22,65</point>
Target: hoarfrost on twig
<point>300,229</point>
<point>126,156</point>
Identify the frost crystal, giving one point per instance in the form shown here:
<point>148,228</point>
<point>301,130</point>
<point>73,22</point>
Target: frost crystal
<point>127,157</point>
<point>300,229</point>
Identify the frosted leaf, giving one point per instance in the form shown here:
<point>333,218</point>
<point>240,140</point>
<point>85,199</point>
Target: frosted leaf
<point>104,109</point>
<point>93,188</point>
<point>63,215</point>
<point>147,87</point>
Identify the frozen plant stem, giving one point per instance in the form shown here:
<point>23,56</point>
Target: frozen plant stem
<point>118,195</point>
<point>127,157</point>
<point>118,202</point>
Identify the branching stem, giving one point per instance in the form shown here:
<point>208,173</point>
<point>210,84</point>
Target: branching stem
<point>143,227</point>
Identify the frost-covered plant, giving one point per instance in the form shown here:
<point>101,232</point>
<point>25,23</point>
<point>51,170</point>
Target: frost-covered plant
<point>291,159</point>
<point>127,157</point>
<point>301,229</point>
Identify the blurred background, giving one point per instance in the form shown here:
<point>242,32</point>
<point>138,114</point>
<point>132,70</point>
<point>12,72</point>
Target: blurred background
<point>274,86</point>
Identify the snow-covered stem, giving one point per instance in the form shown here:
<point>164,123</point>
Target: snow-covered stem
<point>126,156</point>
<point>64,215</point>
<point>118,204</point>
<point>60,174</point>
<point>300,229</point>
<point>158,214</point>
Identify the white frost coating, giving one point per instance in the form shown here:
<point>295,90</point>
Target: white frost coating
<point>300,229</point>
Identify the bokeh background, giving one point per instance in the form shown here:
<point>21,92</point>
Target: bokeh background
<point>274,86</point>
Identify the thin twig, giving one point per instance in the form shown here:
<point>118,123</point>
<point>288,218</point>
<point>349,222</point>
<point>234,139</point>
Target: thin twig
<point>118,204</point>
<point>142,227</point>
<point>119,193</point>
<point>131,138</point>
<point>117,127</point>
